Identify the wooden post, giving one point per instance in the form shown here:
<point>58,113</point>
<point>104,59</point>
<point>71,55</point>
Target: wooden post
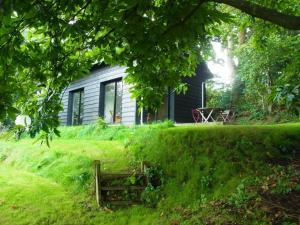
<point>142,167</point>
<point>98,181</point>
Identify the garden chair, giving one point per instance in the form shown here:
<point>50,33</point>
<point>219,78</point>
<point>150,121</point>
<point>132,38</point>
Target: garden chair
<point>228,115</point>
<point>196,115</point>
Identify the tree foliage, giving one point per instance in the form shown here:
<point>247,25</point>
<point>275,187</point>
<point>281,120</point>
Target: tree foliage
<point>268,63</point>
<point>45,44</point>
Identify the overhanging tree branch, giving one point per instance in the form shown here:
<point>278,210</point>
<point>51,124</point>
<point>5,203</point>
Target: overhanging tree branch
<point>81,9</point>
<point>271,15</point>
<point>185,18</point>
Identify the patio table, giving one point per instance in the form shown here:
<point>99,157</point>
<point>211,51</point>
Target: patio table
<point>209,113</point>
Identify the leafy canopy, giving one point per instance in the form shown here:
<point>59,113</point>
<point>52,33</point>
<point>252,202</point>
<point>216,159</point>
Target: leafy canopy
<point>45,44</point>
<point>267,74</point>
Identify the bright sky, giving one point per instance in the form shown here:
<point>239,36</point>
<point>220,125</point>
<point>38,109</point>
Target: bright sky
<point>219,66</point>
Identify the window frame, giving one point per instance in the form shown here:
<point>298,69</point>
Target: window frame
<point>71,104</point>
<point>102,98</point>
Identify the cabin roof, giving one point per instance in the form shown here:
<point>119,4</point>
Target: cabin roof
<point>203,70</point>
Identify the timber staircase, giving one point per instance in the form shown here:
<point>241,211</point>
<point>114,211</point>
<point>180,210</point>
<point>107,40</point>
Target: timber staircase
<point>122,189</point>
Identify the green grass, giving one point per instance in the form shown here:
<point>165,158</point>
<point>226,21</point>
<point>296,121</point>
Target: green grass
<point>67,162</point>
<point>201,165</point>
<point>26,198</point>
<point>54,186</point>
<point>29,199</point>
<point>207,164</point>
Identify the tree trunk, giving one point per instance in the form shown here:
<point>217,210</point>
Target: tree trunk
<point>230,61</point>
<point>237,87</point>
<point>288,21</point>
<point>269,90</point>
<point>242,37</point>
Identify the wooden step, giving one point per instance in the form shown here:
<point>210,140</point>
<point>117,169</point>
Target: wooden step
<point>123,202</point>
<point>105,193</point>
<point>112,176</point>
<point>121,188</point>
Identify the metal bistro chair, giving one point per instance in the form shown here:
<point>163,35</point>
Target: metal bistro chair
<point>228,115</point>
<point>196,115</point>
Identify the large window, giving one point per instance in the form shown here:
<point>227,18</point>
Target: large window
<point>113,102</point>
<point>77,107</point>
<point>150,116</point>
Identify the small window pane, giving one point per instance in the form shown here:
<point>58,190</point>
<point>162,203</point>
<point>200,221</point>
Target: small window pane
<point>109,99</point>
<point>113,102</point>
<point>162,112</point>
<point>81,107</point>
<point>77,109</point>
<point>118,113</point>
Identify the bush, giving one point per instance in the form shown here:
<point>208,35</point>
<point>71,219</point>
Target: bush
<point>101,123</point>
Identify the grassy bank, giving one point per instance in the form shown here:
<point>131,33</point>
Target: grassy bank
<point>224,174</point>
<point>208,175</point>
<point>55,186</point>
<point>41,185</point>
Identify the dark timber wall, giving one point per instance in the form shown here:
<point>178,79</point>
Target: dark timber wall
<point>184,103</point>
<point>91,86</point>
<point>179,106</point>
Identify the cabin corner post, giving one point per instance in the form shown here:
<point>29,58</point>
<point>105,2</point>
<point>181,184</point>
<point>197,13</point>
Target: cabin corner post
<point>97,166</point>
<point>203,95</point>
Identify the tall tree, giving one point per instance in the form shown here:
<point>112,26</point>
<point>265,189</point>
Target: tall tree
<point>46,44</point>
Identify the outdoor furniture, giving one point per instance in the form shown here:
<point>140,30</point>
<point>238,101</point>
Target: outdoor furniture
<point>227,115</point>
<point>196,115</point>
<point>213,115</point>
<point>208,114</point>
